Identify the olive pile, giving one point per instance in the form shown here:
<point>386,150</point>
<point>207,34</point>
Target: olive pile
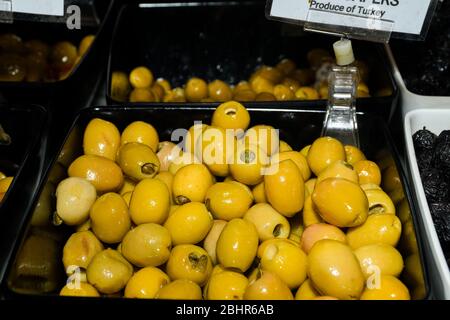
<point>433,159</point>
<point>35,60</point>
<point>234,213</point>
<point>280,83</point>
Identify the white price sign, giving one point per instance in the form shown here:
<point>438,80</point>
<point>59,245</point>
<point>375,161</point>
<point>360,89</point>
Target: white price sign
<point>44,7</point>
<point>400,16</point>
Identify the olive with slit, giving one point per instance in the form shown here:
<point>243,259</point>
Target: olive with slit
<point>138,161</point>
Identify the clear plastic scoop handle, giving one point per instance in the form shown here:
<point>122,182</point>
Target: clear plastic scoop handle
<point>340,119</point>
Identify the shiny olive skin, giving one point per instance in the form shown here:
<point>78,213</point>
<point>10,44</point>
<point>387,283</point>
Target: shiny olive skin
<point>141,77</point>
<point>103,173</point>
<point>196,90</point>
<point>189,262</point>
<point>219,91</point>
<point>74,198</point>
<point>231,115</point>
<point>368,172</point>
<point>80,248</point>
<point>268,222</point>
<point>353,154</point>
<point>323,152</point>
<point>298,158</point>
<point>384,257</point>
<point>191,183</point>
<point>334,270</point>
<point>138,161</point>
<point>141,132</point>
<point>101,138</point>
<point>146,283</point>
<point>237,245</point>
<point>109,216</point>
<point>189,224</point>
<point>228,200</point>
<point>226,285</point>
<point>390,288</point>
<point>146,245</point>
<point>339,169</point>
<point>210,242</point>
<point>379,228</point>
<point>321,231</point>
<point>214,148</point>
<point>306,291</point>
<point>150,207</point>
<point>268,287</point>
<point>341,202</point>
<point>248,164</point>
<point>181,289</point>
<point>287,261</point>
<point>84,290</point>
<point>285,189</point>
<point>108,271</point>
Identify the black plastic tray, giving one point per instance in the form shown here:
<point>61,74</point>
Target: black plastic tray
<point>89,66</point>
<point>23,159</point>
<point>227,41</point>
<point>297,127</point>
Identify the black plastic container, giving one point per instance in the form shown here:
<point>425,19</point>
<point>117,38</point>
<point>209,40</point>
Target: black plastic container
<point>228,41</point>
<point>61,99</point>
<point>297,127</point>
<point>23,159</point>
<point>86,72</point>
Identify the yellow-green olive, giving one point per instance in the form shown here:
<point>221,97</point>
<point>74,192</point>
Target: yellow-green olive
<point>340,202</point>
<point>109,216</point>
<point>138,161</point>
<point>148,244</point>
<point>237,245</point>
<point>108,271</point>
<point>285,188</point>
<point>101,138</point>
<point>268,222</point>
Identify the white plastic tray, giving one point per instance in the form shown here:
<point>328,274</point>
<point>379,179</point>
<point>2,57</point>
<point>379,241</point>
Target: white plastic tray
<point>409,100</point>
<point>436,120</point>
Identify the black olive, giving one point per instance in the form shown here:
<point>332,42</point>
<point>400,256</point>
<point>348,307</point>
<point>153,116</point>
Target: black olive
<point>423,140</point>
<point>424,159</point>
<point>441,156</point>
<point>443,137</point>
<point>440,212</point>
<point>435,185</point>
